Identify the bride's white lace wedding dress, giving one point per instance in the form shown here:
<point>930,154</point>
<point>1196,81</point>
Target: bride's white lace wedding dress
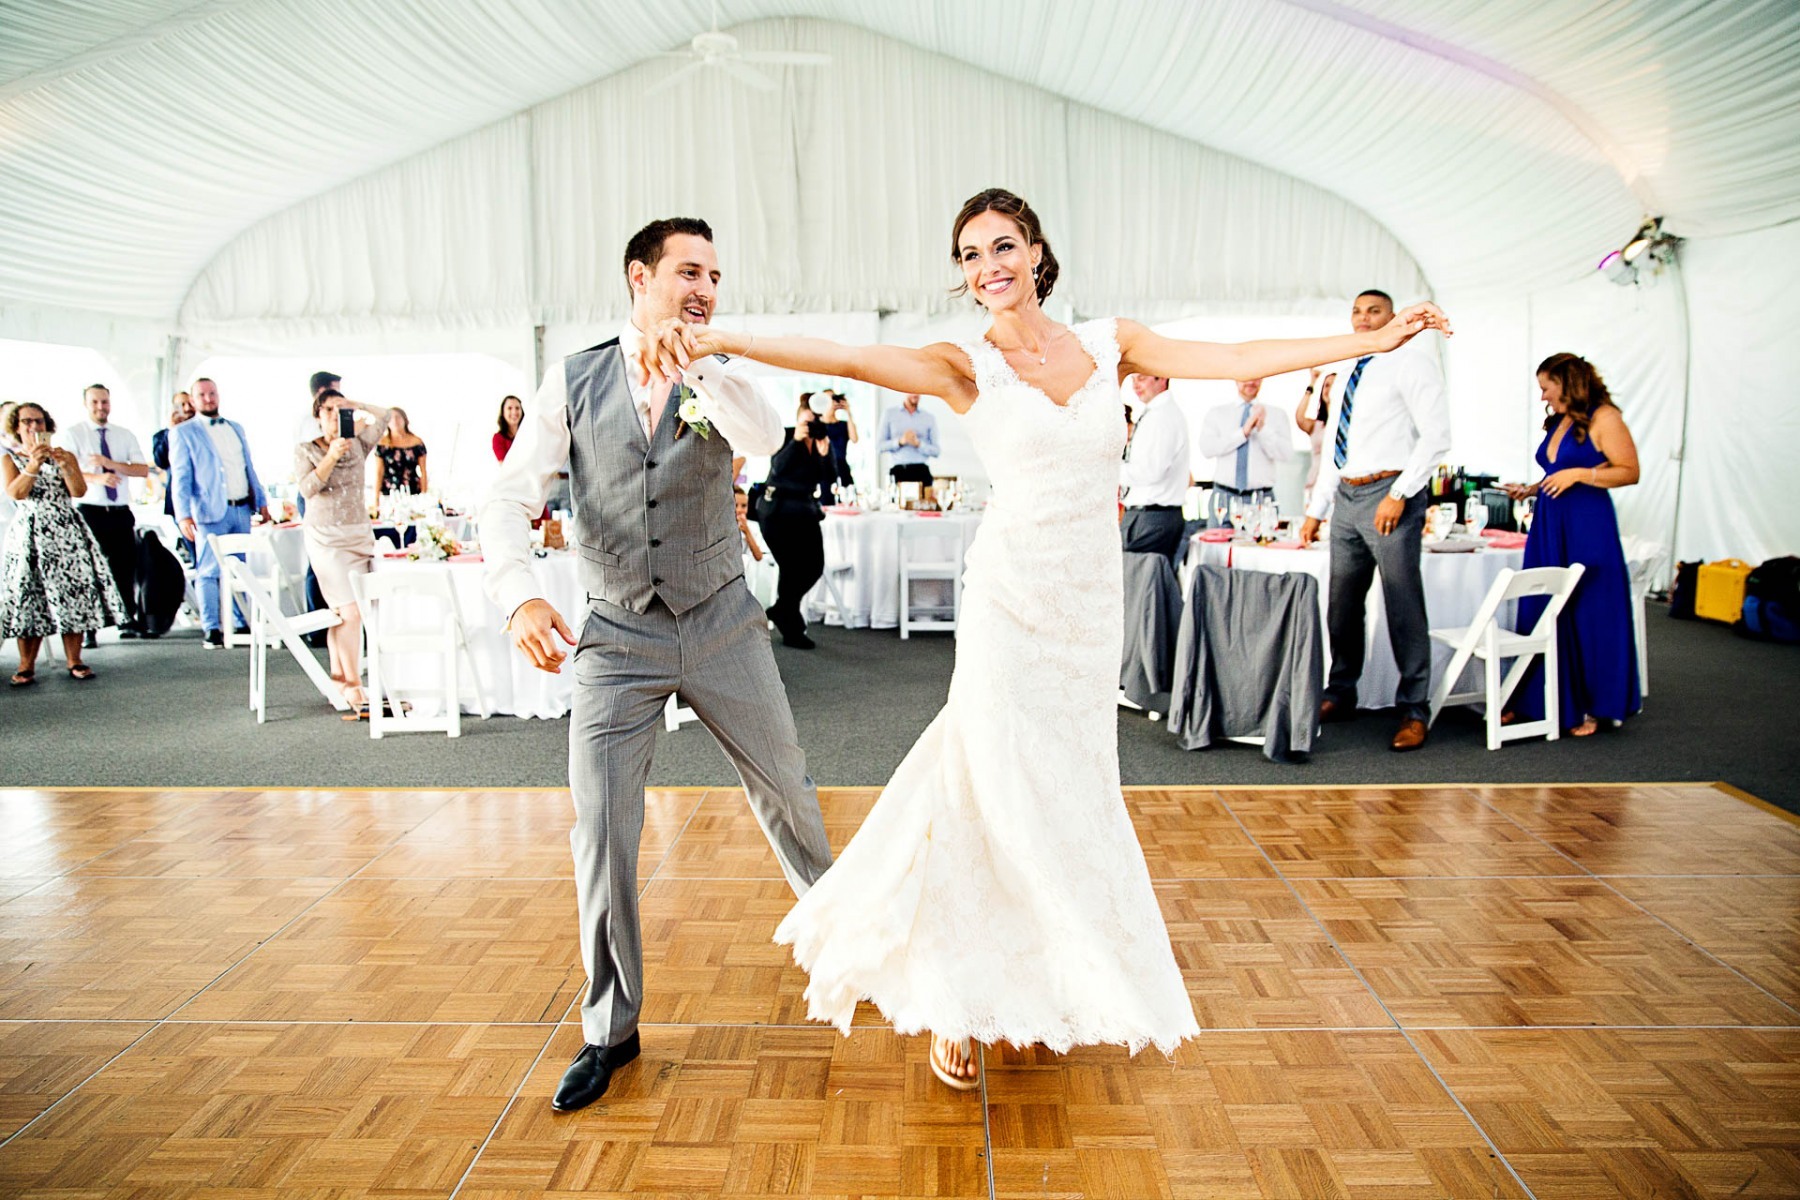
<point>997,890</point>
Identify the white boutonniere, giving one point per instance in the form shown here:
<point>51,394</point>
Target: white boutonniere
<point>690,414</point>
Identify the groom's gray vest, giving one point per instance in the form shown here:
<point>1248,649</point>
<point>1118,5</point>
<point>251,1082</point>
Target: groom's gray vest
<point>653,517</point>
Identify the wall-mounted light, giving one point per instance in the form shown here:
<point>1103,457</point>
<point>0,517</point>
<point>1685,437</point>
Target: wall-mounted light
<point>1648,249</point>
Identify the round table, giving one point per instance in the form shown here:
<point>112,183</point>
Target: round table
<point>868,545</point>
<point>1455,585</point>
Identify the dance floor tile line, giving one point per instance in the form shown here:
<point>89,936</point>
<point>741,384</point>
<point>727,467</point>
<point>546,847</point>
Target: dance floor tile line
<point>1607,881</point>
<point>1493,1146</point>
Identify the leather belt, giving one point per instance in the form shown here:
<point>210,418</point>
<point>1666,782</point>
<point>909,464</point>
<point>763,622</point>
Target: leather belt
<point>241,502</point>
<point>1360,480</point>
<point>1153,508</point>
<point>1231,491</point>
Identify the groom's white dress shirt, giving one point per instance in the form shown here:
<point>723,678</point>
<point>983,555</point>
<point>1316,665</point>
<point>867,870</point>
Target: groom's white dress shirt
<point>728,399</point>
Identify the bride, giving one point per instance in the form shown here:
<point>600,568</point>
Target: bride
<point>997,889</point>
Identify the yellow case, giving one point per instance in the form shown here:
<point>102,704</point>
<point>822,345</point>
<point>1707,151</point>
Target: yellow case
<point>1719,594</point>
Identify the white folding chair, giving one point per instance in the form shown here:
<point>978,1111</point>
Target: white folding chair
<point>1486,640</point>
<point>836,574</point>
<point>914,533</point>
<point>1644,559</point>
<point>676,714</point>
<point>414,611</point>
<point>238,546</point>
<point>270,626</point>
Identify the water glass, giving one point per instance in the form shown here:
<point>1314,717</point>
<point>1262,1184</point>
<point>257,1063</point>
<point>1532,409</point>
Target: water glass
<point>1475,515</point>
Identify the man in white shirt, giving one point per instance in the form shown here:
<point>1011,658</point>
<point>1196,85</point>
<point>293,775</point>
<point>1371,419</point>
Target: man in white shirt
<point>1385,434</point>
<point>668,612</point>
<point>1244,445</point>
<point>109,455</point>
<point>1154,476</point>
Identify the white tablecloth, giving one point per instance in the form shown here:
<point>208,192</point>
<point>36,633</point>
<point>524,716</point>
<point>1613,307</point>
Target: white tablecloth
<point>513,686</point>
<point>1455,585</point>
<point>870,543</point>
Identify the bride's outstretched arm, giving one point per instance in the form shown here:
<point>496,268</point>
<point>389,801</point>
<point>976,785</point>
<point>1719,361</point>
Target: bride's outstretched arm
<point>936,370</point>
<point>1152,354</point>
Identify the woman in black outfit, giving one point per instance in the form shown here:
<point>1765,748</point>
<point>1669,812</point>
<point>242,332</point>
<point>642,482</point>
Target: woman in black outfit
<point>790,517</point>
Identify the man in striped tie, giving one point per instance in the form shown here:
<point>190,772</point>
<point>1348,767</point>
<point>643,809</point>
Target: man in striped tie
<point>1386,434</point>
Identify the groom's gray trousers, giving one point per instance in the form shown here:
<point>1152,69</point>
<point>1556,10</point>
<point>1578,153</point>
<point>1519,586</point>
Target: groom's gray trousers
<point>716,657</point>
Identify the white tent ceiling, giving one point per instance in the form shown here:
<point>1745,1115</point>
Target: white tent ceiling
<point>1506,145</point>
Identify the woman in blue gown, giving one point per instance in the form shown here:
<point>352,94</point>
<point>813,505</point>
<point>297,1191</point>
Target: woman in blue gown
<point>1586,450</point>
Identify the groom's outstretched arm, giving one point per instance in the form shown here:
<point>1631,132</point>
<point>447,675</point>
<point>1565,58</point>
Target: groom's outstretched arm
<point>513,500</point>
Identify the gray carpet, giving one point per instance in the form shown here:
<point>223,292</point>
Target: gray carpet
<point>166,714</point>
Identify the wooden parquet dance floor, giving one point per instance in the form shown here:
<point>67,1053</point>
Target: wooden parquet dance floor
<point>1410,992</point>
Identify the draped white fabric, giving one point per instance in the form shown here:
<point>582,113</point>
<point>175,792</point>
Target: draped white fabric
<point>1508,144</point>
<point>1740,493</point>
<point>440,239</point>
<point>807,210</point>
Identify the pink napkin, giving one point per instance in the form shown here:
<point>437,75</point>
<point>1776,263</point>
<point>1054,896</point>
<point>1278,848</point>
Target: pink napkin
<point>395,554</point>
<point>465,558</point>
<point>1293,545</point>
<point>843,510</point>
<point>1504,539</point>
<point>928,514</point>
<point>1216,535</point>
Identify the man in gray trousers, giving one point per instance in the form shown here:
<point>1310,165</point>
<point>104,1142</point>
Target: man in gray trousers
<point>668,612</point>
<point>1384,436</point>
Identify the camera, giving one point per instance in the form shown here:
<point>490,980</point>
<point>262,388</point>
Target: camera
<point>346,423</point>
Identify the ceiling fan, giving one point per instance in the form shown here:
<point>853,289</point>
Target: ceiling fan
<point>715,49</point>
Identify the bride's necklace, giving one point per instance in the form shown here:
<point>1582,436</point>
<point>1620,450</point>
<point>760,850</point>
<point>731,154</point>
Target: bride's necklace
<point>1042,354</point>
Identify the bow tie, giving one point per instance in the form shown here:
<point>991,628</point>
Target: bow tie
<point>215,420</point>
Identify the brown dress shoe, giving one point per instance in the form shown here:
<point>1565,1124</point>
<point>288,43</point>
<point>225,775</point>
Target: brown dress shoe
<point>1331,712</point>
<point>1410,736</point>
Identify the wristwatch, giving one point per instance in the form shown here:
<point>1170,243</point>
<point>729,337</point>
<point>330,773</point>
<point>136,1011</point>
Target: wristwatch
<point>1395,493</point>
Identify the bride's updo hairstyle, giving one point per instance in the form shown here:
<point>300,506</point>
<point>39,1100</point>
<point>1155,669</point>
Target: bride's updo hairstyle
<point>1021,214</point>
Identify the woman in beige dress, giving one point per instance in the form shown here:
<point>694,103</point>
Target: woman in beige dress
<point>340,541</point>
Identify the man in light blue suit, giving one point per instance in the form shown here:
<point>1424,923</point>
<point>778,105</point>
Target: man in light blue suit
<point>213,482</point>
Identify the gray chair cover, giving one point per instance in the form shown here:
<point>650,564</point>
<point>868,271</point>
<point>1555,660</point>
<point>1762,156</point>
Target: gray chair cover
<point>1249,661</point>
<point>1152,613</point>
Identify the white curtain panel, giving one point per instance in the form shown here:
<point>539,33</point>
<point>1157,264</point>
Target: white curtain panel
<point>442,239</point>
<point>1740,495</point>
<point>812,213</point>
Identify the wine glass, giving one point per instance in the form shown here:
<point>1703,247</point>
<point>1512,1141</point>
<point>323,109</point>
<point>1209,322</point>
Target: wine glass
<point>1268,519</point>
<point>1475,515</point>
<point>1524,509</point>
<point>1221,508</point>
<point>1240,514</point>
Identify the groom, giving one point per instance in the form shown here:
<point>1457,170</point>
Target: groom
<point>668,613</point>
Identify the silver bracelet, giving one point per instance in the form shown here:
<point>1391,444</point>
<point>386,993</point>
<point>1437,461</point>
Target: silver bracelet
<point>747,346</point>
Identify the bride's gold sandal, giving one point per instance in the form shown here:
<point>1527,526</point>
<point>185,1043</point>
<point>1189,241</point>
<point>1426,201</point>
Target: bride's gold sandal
<point>942,1068</point>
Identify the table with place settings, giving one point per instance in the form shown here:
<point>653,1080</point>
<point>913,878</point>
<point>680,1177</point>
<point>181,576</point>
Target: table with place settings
<point>869,543</point>
<point>1456,582</point>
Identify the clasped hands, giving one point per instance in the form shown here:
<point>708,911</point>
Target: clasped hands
<point>667,348</point>
<point>1410,322</point>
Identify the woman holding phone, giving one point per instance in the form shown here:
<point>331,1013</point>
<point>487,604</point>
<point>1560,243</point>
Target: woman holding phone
<point>53,578</point>
<point>340,541</point>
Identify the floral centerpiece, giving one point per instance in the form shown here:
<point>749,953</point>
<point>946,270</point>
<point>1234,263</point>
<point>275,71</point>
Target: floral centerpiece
<point>434,544</point>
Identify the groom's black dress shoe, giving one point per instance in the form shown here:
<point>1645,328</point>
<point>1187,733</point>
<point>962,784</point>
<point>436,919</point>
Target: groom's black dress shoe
<point>586,1079</point>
